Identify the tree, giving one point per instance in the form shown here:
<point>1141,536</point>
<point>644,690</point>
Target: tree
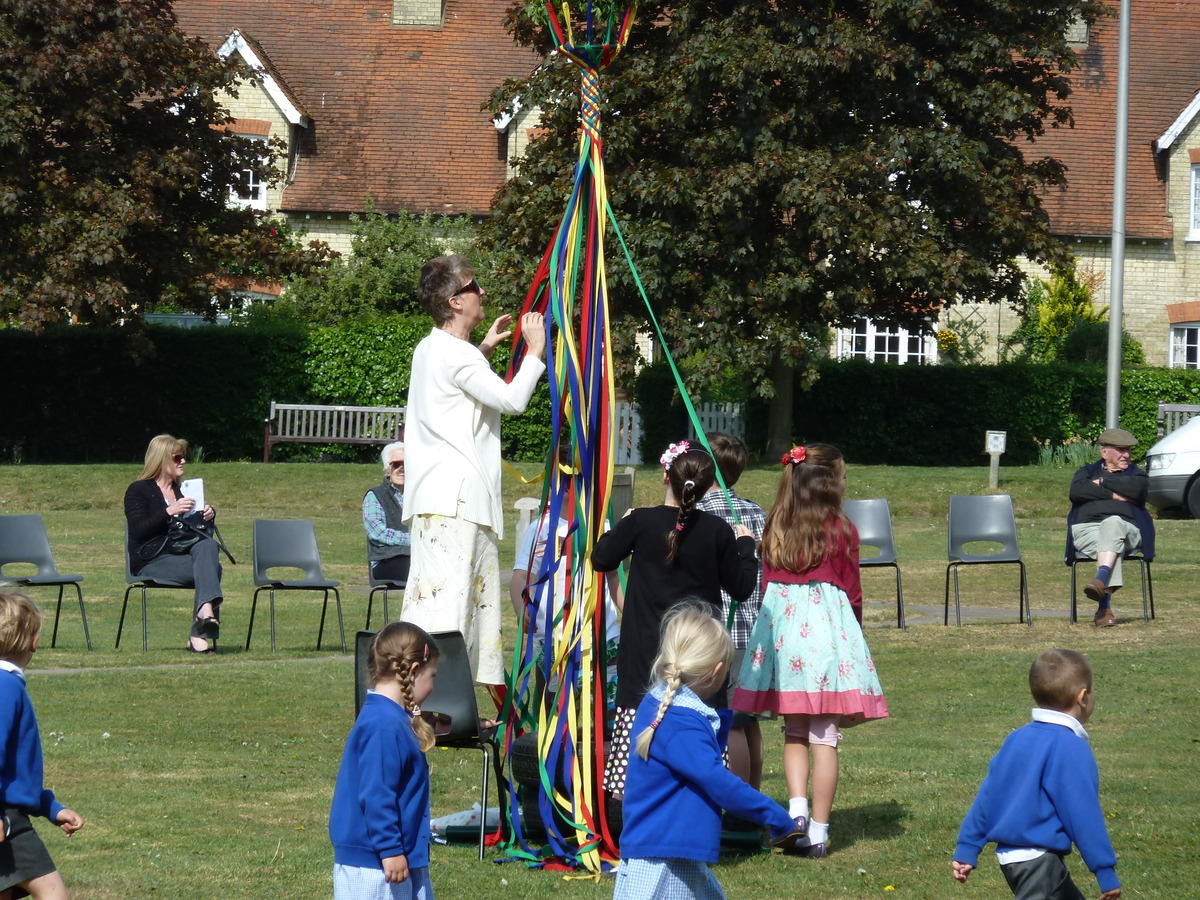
<point>781,168</point>
<point>116,168</point>
<point>1060,322</point>
<point>383,273</point>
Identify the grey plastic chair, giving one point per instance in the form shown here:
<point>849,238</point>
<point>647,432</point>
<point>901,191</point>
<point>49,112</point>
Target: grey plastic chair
<point>451,708</point>
<point>291,544</point>
<point>873,519</point>
<point>381,586</point>
<point>987,519</point>
<point>23,539</point>
<point>145,583</point>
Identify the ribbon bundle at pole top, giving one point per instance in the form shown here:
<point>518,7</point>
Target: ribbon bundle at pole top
<point>560,693</point>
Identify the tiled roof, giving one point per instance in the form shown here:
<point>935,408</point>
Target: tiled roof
<point>396,112</point>
<point>1164,67</point>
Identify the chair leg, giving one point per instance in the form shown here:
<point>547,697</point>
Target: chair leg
<point>1150,588</point>
<point>337,597</point>
<point>385,605</point>
<point>946,610</point>
<point>370,603</point>
<point>483,798</point>
<point>1145,598</point>
<point>957,606</point>
<point>144,644</point>
<point>1023,602</point>
<point>321,629</point>
<point>1074,596</point>
<point>87,635</point>
<point>57,613</point>
<point>272,596</point>
<point>899,601</point>
<point>121,622</point>
<point>253,607</point>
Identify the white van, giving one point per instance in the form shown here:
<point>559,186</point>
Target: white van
<point>1174,468</point>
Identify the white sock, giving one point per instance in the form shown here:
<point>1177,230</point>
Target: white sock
<point>798,806</point>
<point>818,832</point>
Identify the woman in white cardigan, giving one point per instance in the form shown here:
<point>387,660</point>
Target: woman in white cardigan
<point>452,440</point>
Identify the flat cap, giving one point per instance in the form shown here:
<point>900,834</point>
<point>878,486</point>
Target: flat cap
<point>1116,437</point>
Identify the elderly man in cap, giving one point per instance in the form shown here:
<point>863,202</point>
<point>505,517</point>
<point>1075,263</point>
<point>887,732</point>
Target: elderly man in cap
<point>1108,517</point>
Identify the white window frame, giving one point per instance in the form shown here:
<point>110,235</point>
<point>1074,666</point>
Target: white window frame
<point>1184,349</point>
<point>258,186</point>
<point>1194,204</point>
<point>868,339</point>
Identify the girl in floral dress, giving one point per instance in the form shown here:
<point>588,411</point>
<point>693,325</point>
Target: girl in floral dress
<point>807,658</point>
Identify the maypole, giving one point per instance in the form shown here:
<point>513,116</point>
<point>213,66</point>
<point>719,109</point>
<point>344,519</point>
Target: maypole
<point>558,693</point>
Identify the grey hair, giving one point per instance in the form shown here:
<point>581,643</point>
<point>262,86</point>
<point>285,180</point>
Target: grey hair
<point>388,451</point>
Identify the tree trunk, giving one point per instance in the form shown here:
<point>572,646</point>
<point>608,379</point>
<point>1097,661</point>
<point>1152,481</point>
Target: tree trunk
<point>779,419</point>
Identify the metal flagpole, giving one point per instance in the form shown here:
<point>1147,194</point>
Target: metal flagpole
<point>1116,326</point>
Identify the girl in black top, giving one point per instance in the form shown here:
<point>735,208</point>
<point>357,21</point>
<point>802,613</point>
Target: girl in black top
<point>678,551</point>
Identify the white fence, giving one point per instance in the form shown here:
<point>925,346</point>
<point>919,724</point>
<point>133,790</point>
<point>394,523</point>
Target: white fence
<point>725,417</point>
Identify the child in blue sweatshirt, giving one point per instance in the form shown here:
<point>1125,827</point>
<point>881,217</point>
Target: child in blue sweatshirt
<point>379,821</point>
<point>24,861</point>
<point>1042,793</point>
<point>676,784</point>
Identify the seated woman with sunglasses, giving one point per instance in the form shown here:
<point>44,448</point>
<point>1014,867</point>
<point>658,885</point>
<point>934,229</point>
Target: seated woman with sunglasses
<point>151,503</point>
<point>388,538</point>
<point>452,437</point>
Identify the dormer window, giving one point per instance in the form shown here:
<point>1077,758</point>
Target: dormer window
<point>419,13</point>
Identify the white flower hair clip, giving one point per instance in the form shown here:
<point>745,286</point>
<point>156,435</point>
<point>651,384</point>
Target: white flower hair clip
<point>673,452</point>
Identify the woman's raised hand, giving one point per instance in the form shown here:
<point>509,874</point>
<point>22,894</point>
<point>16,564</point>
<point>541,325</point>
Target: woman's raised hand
<point>533,329</point>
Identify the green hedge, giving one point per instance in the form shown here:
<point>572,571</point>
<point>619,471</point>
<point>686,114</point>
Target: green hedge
<point>937,415</point>
<point>77,394</point>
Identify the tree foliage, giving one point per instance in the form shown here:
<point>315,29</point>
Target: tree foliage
<point>780,168</point>
<point>383,273</point>
<point>1059,321</point>
<point>116,168</point>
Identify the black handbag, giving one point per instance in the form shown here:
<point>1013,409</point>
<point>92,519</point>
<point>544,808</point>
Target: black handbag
<point>182,534</point>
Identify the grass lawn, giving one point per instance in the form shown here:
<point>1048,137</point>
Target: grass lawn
<point>212,777</point>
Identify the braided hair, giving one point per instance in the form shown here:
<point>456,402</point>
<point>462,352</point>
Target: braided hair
<point>393,651</point>
<point>690,475</point>
<point>693,642</point>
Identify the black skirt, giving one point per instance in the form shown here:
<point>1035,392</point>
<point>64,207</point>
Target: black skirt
<point>23,856</point>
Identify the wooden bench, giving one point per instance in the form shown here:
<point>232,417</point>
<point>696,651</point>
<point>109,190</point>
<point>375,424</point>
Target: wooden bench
<point>312,424</point>
<point>1172,415</point>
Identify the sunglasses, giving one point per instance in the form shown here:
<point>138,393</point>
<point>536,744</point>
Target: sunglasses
<point>179,459</point>
<point>394,465</point>
<point>471,287</point>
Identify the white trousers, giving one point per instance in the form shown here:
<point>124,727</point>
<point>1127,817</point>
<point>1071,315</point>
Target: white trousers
<point>454,585</point>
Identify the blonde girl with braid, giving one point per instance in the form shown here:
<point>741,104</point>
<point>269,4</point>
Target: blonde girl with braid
<point>379,821</point>
<point>807,658</point>
<point>677,785</point>
<point>676,550</point>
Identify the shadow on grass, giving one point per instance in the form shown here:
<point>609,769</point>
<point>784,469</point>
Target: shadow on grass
<point>875,822</point>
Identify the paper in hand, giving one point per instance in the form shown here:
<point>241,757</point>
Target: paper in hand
<point>194,488</point>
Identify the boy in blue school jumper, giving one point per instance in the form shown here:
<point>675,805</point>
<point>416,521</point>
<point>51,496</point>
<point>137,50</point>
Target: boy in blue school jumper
<point>24,861</point>
<point>1042,793</point>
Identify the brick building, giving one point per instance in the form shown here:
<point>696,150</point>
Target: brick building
<point>379,98</point>
<point>1161,296</point>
